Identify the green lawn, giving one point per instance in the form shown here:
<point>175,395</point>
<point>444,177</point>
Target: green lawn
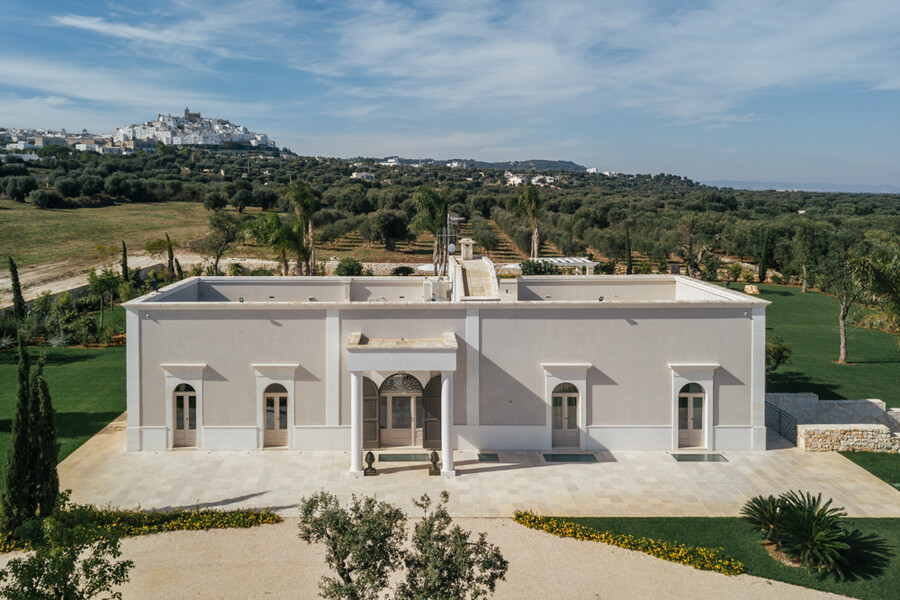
<point>880,464</point>
<point>87,387</point>
<point>876,567</point>
<point>808,323</point>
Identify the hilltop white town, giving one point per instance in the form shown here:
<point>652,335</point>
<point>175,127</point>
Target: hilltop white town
<point>189,130</point>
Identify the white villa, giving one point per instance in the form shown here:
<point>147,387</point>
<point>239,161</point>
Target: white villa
<point>470,362</point>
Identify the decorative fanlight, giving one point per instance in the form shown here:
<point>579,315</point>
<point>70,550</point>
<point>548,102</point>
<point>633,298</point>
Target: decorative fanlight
<point>401,382</point>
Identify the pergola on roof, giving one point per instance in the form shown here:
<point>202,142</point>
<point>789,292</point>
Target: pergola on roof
<point>560,261</point>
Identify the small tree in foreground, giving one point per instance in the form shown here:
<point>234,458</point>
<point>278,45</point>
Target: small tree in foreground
<point>444,564</point>
<point>19,498</point>
<point>362,543</point>
<point>73,559</point>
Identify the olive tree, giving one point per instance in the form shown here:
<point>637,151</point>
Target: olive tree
<point>363,543</point>
<point>444,564</point>
<point>73,559</point>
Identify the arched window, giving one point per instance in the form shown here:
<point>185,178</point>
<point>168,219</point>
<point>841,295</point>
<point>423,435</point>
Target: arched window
<point>400,410</point>
<point>565,388</point>
<point>692,388</point>
<point>564,415</point>
<point>403,383</point>
<point>185,398</point>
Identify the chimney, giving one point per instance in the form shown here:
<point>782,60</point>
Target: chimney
<point>466,244</point>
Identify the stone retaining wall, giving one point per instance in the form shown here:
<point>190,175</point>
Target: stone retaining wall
<point>807,408</point>
<point>855,437</point>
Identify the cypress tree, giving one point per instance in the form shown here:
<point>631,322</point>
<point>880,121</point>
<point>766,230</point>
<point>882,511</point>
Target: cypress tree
<point>18,300</point>
<point>45,430</point>
<point>179,273</point>
<point>628,265</point>
<point>171,253</point>
<point>124,263</point>
<point>19,501</point>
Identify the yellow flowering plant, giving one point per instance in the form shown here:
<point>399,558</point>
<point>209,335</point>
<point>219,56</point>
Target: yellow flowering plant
<point>707,559</point>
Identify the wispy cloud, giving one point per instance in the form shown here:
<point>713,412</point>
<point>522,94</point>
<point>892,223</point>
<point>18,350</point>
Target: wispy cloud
<point>198,33</point>
<point>145,91</point>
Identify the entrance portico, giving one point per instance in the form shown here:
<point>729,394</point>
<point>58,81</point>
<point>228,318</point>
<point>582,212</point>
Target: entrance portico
<point>401,356</point>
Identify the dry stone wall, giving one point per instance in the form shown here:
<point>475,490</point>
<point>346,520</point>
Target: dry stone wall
<point>841,425</point>
<point>842,438</point>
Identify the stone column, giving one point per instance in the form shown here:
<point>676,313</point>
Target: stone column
<point>447,424</point>
<point>356,433</point>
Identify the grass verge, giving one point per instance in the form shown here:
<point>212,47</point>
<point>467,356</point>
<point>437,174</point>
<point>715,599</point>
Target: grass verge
<point>875,565</point>
<point>882,465</point>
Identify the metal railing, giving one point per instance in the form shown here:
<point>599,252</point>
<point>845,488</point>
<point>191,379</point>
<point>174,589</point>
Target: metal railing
<point>781,423</point>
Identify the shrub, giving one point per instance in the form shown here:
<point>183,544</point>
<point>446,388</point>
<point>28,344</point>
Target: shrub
<point>46,199</point>
<point>777,353</point>
<point>764,514</point>
<point>803,527</point>
<point>349,267</point>
<point>402,271</point>
<point>7,341</point>
<point>261,272</point>
<point>538,267</point>
<point>58,340</point>
<point>813,533</point>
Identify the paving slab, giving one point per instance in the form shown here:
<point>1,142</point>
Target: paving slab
<point>627,483</point>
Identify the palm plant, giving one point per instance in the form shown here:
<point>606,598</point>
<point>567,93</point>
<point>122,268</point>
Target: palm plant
<point>270,230</point>
<point>305,205</point>
<point>431,216</point>
<point>813,532</point>
<point>764,514</point>
<point>528,203</point>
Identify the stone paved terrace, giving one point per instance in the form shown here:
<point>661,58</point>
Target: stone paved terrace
<point>620,484</point>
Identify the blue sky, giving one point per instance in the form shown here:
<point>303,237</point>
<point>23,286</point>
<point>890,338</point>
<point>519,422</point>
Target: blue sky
<point>757,90</point>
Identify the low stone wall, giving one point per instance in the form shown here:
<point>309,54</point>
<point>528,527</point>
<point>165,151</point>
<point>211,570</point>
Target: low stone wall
<point>855,438</point>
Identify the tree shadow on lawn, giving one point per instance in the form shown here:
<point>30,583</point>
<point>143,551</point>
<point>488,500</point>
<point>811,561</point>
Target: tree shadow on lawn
<point>77,424</point>
<point>792,381</point>
<point>11,357</point>
<point>867,558</point>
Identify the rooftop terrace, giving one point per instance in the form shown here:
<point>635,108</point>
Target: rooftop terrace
<point>531,290</point>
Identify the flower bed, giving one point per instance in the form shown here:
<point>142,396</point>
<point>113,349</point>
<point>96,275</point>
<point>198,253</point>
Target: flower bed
<point>707,559</point>
<point>126,523</point>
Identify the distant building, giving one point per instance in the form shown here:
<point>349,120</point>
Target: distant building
<point>48,140</point>
<point>514,179</point>
<point>362,175</point>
